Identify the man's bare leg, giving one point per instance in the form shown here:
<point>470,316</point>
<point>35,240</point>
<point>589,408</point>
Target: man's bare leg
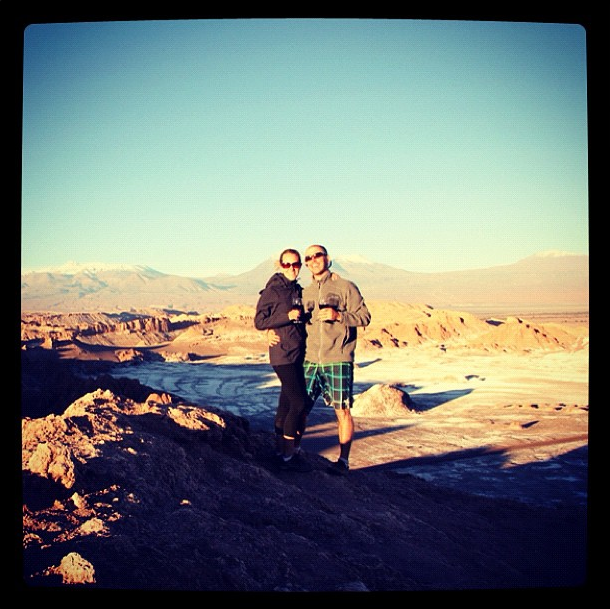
<point>345,424</point>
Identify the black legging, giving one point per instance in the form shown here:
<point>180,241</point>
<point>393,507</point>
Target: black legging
<point>293,398</point>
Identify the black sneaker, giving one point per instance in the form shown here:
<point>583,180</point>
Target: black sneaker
<point>296,464</point>
<point>338,468</point>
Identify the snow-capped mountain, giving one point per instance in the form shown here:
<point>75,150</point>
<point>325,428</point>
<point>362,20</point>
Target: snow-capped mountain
<point>539,282</point>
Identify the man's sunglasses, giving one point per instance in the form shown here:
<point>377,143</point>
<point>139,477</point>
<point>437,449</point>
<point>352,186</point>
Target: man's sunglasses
<point>287,265</point>
<point>316,256</point>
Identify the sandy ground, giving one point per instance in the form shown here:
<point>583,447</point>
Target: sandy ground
<point>503,425</point>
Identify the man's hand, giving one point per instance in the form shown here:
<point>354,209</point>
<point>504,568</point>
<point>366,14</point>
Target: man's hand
<point>272,338</point>
<point>328,314</point>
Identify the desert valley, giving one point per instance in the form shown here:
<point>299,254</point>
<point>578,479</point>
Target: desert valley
<point>146,436</point>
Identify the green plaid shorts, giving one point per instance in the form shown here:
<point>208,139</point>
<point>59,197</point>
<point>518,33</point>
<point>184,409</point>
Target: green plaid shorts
<point>334,382</point>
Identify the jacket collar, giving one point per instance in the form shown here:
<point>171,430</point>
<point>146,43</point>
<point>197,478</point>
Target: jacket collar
<point>282,279</point>
<point>324,278</point>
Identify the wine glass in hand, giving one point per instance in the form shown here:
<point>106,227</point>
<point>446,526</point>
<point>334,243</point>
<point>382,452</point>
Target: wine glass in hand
<point>297,303</point>
<point>329,301</point>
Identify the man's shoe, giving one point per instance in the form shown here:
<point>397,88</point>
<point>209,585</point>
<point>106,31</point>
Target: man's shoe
<point>338,468</point>
<point>296,463</point>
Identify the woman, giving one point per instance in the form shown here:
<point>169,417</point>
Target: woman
<point>278,310</point>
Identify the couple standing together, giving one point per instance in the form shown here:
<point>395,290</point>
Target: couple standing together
<point>312,342</point>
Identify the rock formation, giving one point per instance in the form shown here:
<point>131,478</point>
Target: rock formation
<point>383,401</point>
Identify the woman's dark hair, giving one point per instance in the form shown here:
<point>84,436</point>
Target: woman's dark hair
<point>289,251</point>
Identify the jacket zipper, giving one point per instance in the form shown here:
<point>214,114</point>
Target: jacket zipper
<point>320,324</point>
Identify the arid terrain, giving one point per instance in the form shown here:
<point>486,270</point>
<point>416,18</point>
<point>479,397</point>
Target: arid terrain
<point>146,442</point>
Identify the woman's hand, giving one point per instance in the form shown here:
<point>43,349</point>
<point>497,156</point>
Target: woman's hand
<point>294,314</point>
<point>272,338</point>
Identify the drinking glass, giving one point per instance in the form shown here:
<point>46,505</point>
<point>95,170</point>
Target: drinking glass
<point>329,301</point>
<point>297,303</point>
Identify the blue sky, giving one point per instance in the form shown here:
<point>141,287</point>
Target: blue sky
<point>205,146</point>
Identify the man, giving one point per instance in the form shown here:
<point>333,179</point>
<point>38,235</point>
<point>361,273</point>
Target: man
<point>335,309</point>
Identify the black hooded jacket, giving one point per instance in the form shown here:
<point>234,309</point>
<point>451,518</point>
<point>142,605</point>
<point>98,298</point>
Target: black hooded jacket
<point>272,313</point>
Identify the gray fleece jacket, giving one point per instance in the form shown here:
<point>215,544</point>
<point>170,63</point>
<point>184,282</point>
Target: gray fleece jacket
<point>330,342</point>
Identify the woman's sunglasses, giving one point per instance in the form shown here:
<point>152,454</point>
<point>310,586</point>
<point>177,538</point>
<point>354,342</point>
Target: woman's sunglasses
<point>287,265</point>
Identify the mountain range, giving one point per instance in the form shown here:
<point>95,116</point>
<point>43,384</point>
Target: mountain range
<point>542,282</point>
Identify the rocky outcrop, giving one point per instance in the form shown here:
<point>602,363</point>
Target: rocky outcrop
<point>184,337</point>
<point>49,384</point>
<point>386,401</point>
<point>60,328</point>
<point>398,325</point>
<point>158,494</point>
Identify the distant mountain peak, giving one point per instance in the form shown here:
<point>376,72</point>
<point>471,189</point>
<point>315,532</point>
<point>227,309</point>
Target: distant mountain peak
<point>554,254</point>
<point>549,279</point>
<point>74,268</point>
<point>355,258</point>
